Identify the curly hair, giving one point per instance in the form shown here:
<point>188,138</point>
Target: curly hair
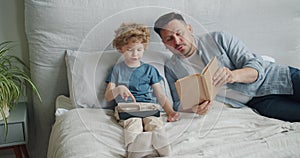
<point>131,32</point>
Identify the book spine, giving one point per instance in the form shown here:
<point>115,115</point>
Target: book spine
<point>205,88</point>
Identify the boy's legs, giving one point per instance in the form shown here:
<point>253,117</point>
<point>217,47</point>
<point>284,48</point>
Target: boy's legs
<point>132,128</point>
<point>160,140</point>
<point>136,142</point>
<point>152,123</point>
<point>142,145</point>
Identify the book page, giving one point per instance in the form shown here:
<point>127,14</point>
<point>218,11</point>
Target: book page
<point>202,90</point>
<point>190,90</point>
<point>196,88</point>
<point>208,73</point>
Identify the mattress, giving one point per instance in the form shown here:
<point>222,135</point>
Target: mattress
<point>226,132</point>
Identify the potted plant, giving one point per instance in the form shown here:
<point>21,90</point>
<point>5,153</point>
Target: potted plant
<point>13,80</point>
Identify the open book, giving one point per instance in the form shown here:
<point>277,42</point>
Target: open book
<point>197,88</point>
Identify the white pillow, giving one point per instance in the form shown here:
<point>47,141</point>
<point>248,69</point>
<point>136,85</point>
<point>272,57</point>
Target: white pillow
<point>87,72</point>
<point>268,58</point>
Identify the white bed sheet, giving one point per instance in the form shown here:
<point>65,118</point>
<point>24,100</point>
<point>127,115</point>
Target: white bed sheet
<point>223,132</point>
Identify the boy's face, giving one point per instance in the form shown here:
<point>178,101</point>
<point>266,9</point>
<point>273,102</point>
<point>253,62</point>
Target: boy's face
<point>133,53</point>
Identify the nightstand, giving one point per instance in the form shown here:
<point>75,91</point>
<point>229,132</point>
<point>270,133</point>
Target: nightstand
<point>17,135</point>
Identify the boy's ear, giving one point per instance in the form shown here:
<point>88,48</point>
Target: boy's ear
<point>120,50</point>
<point>190,28</point>
<point>145,46</point>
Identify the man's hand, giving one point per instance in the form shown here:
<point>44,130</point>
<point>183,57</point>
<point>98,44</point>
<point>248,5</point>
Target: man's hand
<point>202,108</point>
<point>223,76</point>
<point>243,75</point>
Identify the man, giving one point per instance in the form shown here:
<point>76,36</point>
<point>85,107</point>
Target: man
<point>271,89</point>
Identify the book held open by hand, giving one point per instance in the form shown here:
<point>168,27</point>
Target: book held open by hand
<point>197,88</point>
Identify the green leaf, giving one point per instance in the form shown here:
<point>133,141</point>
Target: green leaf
<point>13,79</point>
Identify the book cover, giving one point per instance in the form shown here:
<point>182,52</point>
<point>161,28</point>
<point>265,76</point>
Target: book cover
<point>197,88</point>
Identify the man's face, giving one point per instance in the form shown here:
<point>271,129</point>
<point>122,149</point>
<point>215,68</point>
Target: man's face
<point>177,37</point>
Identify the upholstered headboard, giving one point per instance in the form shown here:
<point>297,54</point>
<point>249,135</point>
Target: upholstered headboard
<point>268,27</point>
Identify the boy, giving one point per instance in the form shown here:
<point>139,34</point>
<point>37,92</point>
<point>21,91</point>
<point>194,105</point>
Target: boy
<point>131,81</point>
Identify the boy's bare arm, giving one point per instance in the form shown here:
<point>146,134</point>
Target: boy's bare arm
<point>112,92</point>
<point>109,95</point>
<point>165,103</point>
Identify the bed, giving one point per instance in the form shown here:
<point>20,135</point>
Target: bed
<point>225,132</point>
<point>70,53</point>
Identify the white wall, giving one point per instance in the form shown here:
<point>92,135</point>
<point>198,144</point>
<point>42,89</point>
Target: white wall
<point>12,25</point>
<point>267,27</point>
<point>12,28</point>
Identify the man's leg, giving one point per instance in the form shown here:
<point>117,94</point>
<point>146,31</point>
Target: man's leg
<point>277,106</point>
<point>283,107</point>
<point>295,76</point>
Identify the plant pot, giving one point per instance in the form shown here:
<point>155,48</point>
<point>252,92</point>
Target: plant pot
<point>6,112</point>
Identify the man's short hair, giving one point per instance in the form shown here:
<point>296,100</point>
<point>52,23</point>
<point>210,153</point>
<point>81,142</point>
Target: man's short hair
<point>165,19</point>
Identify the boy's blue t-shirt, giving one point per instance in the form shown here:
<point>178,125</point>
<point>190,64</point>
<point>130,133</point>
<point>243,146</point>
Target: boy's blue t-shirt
<point>138,80</point>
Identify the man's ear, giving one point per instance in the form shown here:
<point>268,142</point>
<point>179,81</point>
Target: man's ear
<point>189,27</point>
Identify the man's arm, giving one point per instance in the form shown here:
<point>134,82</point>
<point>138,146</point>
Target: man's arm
<point>242,66</point>
<point>243,75</point>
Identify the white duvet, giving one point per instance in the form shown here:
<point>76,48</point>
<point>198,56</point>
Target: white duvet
<point>223,132</point>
